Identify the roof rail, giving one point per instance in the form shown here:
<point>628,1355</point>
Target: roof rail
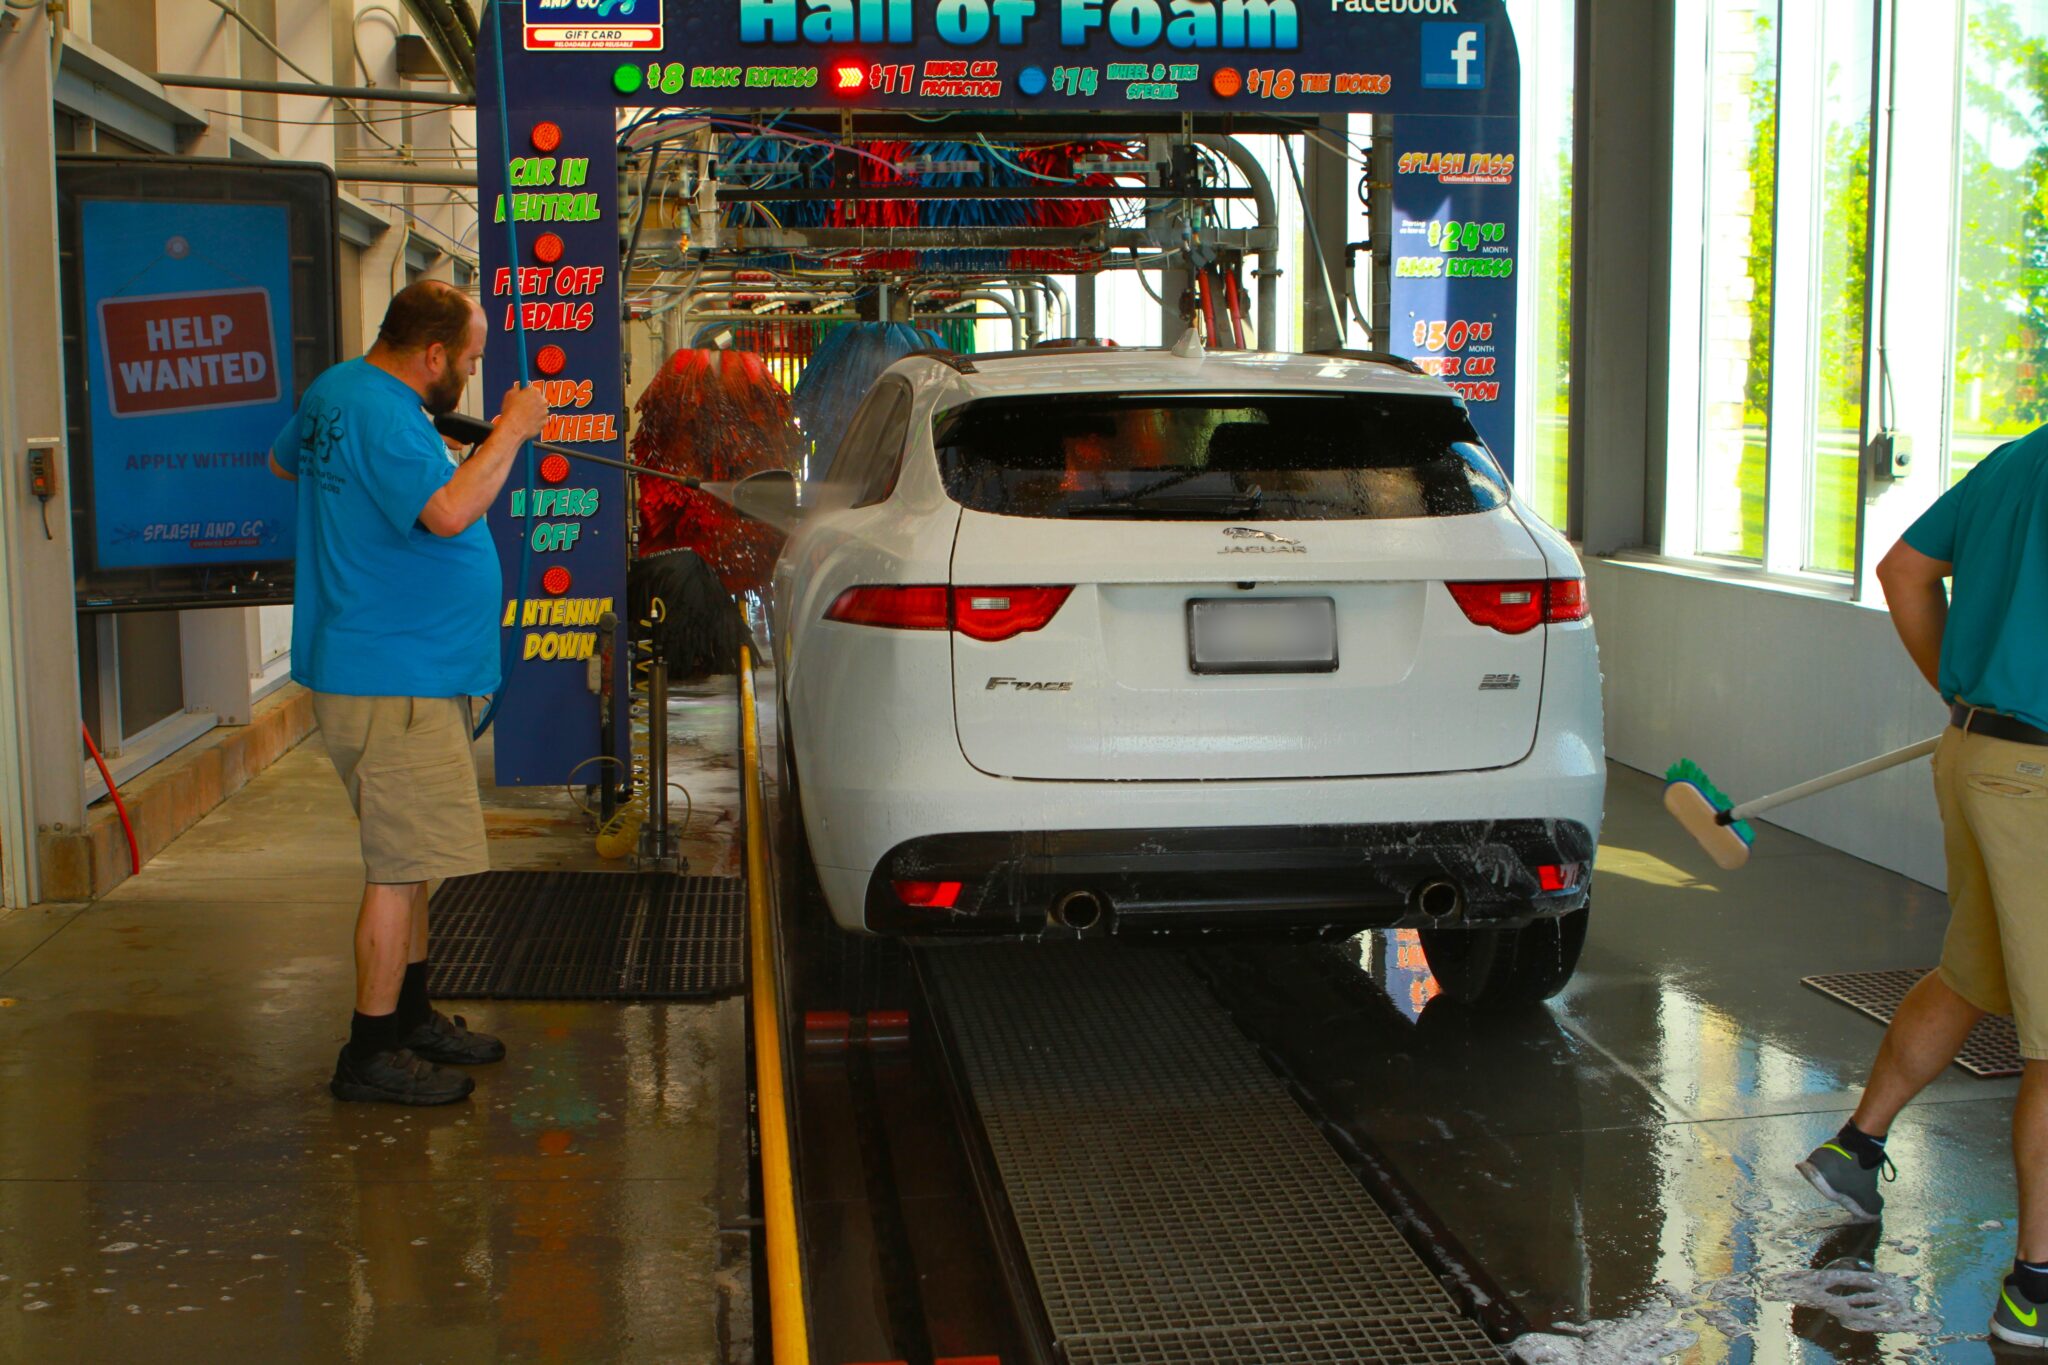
<point>1399,362</point>
<point>953,361</point>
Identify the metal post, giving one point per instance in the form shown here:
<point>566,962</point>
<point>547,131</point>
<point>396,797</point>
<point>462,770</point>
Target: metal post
<point>1325,229</point>
<point>1084,305</point>
<point>41,783</point>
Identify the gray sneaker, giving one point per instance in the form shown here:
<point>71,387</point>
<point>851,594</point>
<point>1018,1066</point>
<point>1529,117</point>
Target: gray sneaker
<point>1837,1174</point>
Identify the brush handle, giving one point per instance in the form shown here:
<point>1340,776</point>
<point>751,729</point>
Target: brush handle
<point>1833,779</point>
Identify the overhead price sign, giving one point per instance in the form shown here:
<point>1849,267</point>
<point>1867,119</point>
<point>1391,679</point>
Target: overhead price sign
<point>1447,57</point>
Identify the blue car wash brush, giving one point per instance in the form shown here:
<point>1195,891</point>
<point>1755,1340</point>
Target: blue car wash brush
<point>1723,828</point>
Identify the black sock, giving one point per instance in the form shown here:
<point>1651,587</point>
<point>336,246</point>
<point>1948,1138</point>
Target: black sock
<point>2033,1280</point>
<point>1868,1150</point>
<point>413,1009</point>
<point>369,1034</point>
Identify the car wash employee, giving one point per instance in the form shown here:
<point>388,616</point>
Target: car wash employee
<point>394,630</point>
<point>1984,647</point>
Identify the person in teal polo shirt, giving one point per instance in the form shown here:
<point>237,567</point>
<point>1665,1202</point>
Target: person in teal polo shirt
<point>394,630</point>
<point>1984,647</point>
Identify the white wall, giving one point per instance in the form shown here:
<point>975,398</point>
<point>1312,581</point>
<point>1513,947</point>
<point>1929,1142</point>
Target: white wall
<point>1765,687</point>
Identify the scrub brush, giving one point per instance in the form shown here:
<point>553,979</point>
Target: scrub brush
<point>1707,813</point>
<point>1723,828</point>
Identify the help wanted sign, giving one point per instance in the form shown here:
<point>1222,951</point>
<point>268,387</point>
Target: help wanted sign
<point>188,352</point>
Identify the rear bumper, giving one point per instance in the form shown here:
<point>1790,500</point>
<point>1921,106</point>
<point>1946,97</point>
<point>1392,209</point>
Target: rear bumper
<point>1269,880</point>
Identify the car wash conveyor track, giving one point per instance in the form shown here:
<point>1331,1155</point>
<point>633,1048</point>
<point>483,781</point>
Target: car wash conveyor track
<point>1075,1156</point>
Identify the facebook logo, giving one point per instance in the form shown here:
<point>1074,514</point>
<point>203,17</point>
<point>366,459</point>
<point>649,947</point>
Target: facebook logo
<point>1454,56</point>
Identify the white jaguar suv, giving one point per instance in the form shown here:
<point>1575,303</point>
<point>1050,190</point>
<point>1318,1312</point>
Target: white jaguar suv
<point>1081,642</point>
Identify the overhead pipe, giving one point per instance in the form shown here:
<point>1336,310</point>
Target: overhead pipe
<point>377,173</point>
<point>1017,333</point>
<point>366,93</point>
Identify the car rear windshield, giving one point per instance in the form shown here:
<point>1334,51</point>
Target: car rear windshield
<point>1210,457</point>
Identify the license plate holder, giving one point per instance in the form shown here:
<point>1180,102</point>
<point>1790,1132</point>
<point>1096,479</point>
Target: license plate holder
<point>1262,635</point>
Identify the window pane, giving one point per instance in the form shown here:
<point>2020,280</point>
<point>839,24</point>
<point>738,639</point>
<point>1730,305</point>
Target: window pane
<point>2002,238</point>
<point>1846,41</point>
<point>1742,195</point>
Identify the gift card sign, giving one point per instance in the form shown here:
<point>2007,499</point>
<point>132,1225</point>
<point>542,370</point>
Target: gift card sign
<point>593,25</point>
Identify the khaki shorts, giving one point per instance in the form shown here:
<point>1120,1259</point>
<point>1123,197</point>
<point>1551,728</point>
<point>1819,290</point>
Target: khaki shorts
<point>411,776</point>
<point>1994,819</point>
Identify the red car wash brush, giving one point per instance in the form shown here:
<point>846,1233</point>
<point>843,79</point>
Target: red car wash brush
<point>1723,828</point>
<point>717,416</point>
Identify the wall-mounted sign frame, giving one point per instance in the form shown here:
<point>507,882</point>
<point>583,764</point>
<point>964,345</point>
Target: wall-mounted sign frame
<point>200,298</point>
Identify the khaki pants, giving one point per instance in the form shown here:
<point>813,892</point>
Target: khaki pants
<point>1994,818</point>
<point>411,775</point>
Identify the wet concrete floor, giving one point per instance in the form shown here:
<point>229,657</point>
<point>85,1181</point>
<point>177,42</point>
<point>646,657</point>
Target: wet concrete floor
<point>176,1184</point>
<point>1619,1163</point>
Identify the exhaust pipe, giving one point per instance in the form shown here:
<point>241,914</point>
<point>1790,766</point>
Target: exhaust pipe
<point>1077,910</point>
<point>1440,899</point>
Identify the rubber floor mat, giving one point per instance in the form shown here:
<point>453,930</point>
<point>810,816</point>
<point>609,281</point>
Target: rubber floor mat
<point>1992,1049</point>
<point>587,936</point>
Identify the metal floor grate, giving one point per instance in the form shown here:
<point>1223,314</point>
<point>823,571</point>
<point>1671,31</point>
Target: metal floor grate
<point>587,936</point>
<point>1174,1202</point>
<point>1992,1049</point>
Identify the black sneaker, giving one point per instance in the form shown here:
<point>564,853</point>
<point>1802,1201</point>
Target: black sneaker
<point>450,1042</point>
<point>397,1077</point>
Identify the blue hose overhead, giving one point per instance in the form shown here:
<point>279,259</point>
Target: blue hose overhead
<point>848,361</point>
<point>505,664</point>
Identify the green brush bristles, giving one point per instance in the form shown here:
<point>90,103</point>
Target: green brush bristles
<point>1685,770</point>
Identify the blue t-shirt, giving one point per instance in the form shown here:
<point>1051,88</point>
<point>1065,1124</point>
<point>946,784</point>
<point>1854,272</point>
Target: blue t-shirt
<point>383,607</point>
<point>1993,526</point>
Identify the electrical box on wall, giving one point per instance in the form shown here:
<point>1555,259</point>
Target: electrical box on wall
<point>1891,455</point>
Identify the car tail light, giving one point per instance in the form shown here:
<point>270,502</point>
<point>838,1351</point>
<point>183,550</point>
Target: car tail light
<point>929,895</point>
<point>999,613</point>
<point>1565,600</point>
<point>1517,607</point>
<point>1557,876</point>
<point>919,607</point>
<point>981,613</point>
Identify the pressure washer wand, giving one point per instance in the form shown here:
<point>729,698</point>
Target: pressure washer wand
<point>462,427</point>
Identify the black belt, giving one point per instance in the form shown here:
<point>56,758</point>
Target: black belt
<point>1975,720</point>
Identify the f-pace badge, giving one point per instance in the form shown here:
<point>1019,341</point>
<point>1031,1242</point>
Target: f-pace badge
<point>1260,542</point>
<point>1023,685</point>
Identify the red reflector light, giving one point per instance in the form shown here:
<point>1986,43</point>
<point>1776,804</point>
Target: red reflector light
<point>988,614</point>
<point>929,895</point>
<point>555,581</point>
<point>547,248</point>
<point>1566,600</point>
<point>1557,877</point>
<point>546,137</point>
<point>1517,607</point>
<point>999,613</point>
<point>915,607</point>
<point>550,360</point>
<point>554,468</point>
